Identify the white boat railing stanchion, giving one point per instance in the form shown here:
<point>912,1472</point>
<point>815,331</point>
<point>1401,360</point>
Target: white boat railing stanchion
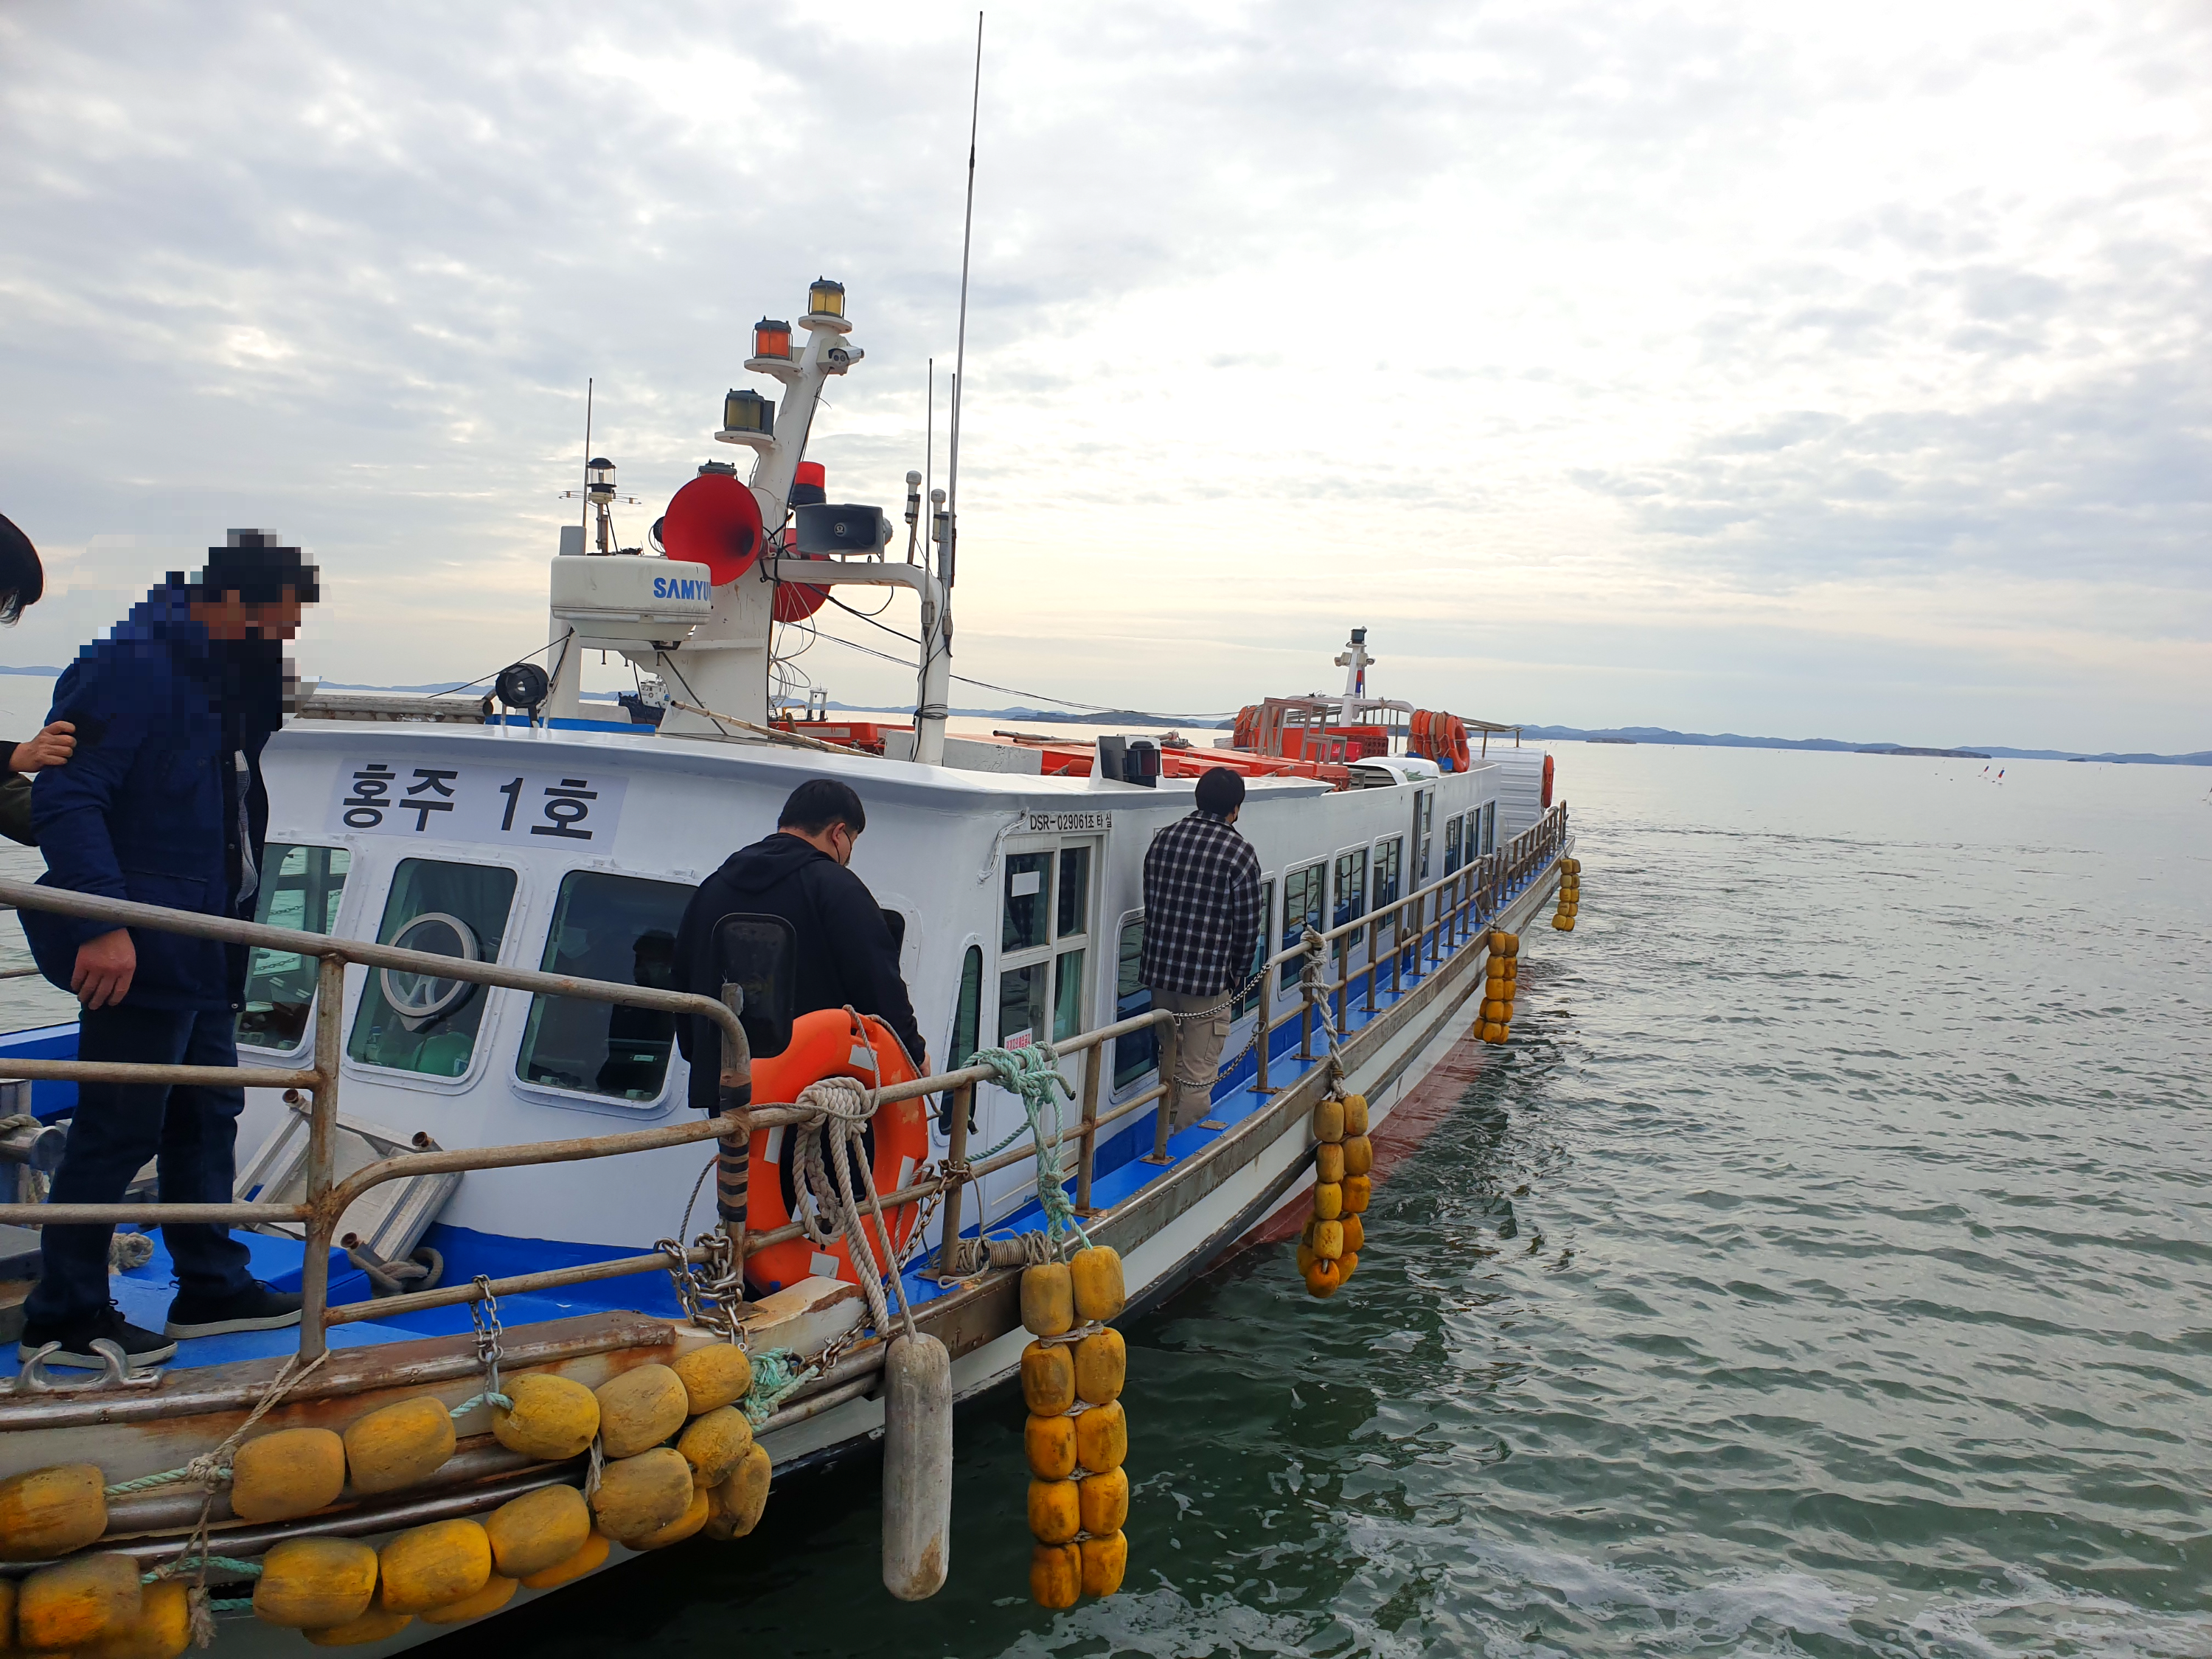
<point>1464,902</point>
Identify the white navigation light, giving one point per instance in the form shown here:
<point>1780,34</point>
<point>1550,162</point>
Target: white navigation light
<point>599,479</point>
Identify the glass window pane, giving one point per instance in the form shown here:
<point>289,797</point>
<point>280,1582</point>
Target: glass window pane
<point>1067,995</point>
<point>439,908</point>
<point>968,1014</point>
<point>1301,907</point>
<point>1139,1051</point>
<point>1261,950</point>
<point>1029,877</point>
<point>1074,891</point>
<point>1351,896</point>
<point>1021,1004</point>
<point>611,927</point>
<point>1388,856</point>
<point>1451,845</point>
<point>300,887</point>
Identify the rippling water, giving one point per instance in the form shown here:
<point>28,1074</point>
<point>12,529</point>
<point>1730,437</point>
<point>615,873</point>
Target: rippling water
<point>1822,1270</point>
<point>1854,1150</point>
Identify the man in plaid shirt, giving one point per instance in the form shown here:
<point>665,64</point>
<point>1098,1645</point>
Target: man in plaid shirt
<point>1201,928</point>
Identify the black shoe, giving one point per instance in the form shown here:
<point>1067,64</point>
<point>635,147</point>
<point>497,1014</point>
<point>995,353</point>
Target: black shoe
<point>141,1348</point>
<point>258,1309</point>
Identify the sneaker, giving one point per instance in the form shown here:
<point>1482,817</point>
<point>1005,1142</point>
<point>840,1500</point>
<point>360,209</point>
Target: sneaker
<point>141,1348</point>
<point>255,1309</point>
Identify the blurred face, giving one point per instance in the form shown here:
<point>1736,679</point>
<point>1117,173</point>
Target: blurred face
<point>231,617</point>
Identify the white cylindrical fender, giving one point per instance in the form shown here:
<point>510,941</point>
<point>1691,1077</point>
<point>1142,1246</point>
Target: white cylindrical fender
<point>917,1467</point>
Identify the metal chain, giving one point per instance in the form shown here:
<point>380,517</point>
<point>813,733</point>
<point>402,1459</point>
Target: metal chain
<point>483,1313</point>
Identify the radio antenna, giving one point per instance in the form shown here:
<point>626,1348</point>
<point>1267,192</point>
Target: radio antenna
<point>946,563</point>
<point>585,518</point>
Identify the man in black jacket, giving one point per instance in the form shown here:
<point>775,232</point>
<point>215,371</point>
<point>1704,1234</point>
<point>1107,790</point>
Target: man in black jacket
<point>846,953</point>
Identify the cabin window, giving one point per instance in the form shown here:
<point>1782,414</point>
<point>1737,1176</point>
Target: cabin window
<point>611,927</point>
<point>300,887</point>
<point>1074,908</point>
<point>1350,895</point>
<point>1424,823</point>
<point>1490,826</point>
<point>1304,891</point>
<point>1021,1005</point>
<point>1451,845</point>
<point>1029,904</point>
<point>1139,1052</point>
<point>450,910</point>
<point>1388,856</point>
<point>1250,999</point>
<point>968,1012</point>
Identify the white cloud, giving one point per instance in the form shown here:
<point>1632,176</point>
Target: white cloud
<point>1711,367</point>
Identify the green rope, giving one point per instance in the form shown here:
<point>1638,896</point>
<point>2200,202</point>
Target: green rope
<point>488,1397</point>
<point>777,1375</point>
<point>192,1563</point>
<point>230,1604</point>
<point>1033,1073</point>
<point>146,1483</point>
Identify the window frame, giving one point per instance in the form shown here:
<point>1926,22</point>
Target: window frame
<point>1287,974</point>
<point>1261,997</point>
<point>1117,1088</point>
<point>348,897</point>
<point>1056,943</point>
<point>522,921</point>
<point>552,1094</point>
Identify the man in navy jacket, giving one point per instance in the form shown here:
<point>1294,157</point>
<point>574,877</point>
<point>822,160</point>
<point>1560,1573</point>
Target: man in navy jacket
<point>163,804</point>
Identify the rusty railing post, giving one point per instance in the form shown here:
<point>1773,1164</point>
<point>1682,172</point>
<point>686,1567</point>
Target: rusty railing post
<point>956,1159</point>
<point>1089,1144</point>
<point>1374,958</point>
<point>322,1143</point>
<point>733,1153</point>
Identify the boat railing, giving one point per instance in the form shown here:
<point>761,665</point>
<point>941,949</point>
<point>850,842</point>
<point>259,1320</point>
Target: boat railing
<point>1442,915</point>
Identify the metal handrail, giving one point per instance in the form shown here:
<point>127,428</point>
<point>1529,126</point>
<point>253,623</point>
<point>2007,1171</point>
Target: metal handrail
<point>326,1201</point>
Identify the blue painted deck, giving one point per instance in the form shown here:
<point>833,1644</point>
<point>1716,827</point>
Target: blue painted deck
<point>143,1293</point>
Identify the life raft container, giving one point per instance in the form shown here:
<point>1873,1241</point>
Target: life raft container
<point>1246,733</point>
<point>830,1043</point>
<point>1547,783</point>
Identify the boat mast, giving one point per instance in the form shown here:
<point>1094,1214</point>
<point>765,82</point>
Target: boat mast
<point>937,639</point>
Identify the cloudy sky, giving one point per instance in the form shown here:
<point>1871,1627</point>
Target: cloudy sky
<point>1806,371</point>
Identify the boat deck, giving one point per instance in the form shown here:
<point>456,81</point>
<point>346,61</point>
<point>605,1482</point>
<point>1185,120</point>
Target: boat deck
<point>1120,1172</point>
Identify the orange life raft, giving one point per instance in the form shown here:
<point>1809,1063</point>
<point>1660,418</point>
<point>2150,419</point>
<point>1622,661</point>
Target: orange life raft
<point>831,1042</point>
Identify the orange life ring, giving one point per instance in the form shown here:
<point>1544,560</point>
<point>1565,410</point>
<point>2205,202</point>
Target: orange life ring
<point>1418,742</point>
<point>828,1044</point>
<point>1547,783</point>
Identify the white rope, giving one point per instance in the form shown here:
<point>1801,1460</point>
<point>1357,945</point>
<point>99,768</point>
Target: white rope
<point>828,1208</point>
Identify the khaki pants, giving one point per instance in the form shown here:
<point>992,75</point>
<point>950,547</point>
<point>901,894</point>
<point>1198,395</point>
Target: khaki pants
<point>1198,1043</point>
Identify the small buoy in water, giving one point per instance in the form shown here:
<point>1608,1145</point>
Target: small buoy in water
<point>1095,1276</point>
<point>588,1558</point>
<point>398,1444</point>
<point>553,1417</point>
<point>639,1495</point>
<point>715,1444</point>
<point>162,1629</point>
<point>52,1511</point>
<point>497,1592</point>
<point>1359,1155</point>
<point>917,1467</point>
<point>1323,1279</point>
<point>1327,1200</point>
<point>1047,1299</point>
<point>537,1530</point>
<point>287,1475</point>
<point>1102,1367</point>
<point>375,1625</point>
<point>75,1603</point>
<point>429,1566</point>
<point>1055,1514</point>
<point>1048,1378</point>
<point>311,1583</point>
<point>1102,1500</point>
<point>1355,1233</point>
<point>640,1409</point>
<point>1358,1190</point>
<point>1048,1443</point>
<point>685,1525</point>
<point>1102,1438</point>
<point>1104,1562</point>
<point>1055,1575</point>
<point>715,1375</point>
<point>1328,1240</point>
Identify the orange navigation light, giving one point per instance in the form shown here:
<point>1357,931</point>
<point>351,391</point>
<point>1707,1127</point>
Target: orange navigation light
<point>746,410</point>
<point>771,339</point>
<point>825,297</point>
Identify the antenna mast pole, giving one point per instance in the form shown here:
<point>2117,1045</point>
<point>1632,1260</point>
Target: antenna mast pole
<point>936,637</point>
<point>584,518</point>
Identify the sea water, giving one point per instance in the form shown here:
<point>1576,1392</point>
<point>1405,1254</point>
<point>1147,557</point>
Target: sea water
<point>1822,1268</point>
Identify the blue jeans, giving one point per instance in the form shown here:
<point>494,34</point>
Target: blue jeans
<point>193,1130</point>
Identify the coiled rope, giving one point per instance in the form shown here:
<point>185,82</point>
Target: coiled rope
<point>825,1149</point>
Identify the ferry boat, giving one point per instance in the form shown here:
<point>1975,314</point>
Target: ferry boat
<point>467,1138</point>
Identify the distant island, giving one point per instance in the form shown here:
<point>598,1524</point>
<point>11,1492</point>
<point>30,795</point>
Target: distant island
<point>1130,719</point>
